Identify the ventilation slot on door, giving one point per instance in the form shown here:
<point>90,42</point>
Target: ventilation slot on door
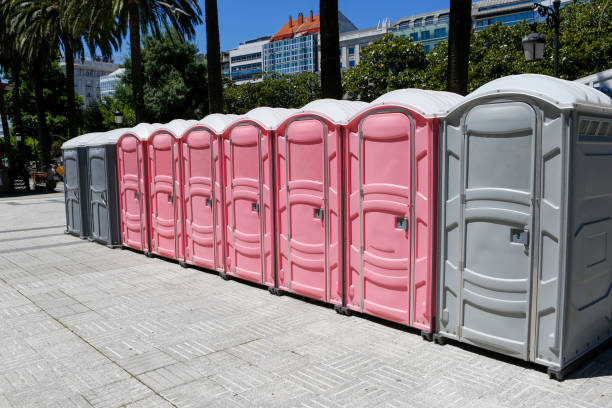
<point>594,130</point>
<point>209,202</point>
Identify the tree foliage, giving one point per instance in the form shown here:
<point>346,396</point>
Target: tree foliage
<point>274,90</point>
<point>175,80</point>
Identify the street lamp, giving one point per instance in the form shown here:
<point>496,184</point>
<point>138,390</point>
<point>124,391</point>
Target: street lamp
<point>118,117</point>
<point>533,44</point>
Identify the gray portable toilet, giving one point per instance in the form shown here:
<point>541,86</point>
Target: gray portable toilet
<point>75,185</point>
<point>525,211</point>
<point>103,182</point>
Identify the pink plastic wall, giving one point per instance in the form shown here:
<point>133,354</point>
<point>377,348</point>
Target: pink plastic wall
<point>244,238</point>
<point>133,193</point>
<point>165,195</point>
<point>204,228</point>
<point>388,290</point>
<point>302,269</point>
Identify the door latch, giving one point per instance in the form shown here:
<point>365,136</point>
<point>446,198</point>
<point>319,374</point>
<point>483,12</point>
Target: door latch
<point>401,223</point>
<point>209,202</point>
<point>318,213</point>
<point>519,236</point>
<point>170,198</point>
<point>255,207</point>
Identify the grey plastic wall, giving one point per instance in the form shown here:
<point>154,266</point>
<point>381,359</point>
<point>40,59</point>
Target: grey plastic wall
<point>557,304</point>
<point>103,202</point>
<point>76,192</point>
<point>588,304</point>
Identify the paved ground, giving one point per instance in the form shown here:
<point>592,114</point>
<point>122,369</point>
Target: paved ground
<point>82,325</point>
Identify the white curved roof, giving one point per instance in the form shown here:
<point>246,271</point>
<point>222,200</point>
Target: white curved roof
<point>218,122</point>
<point>80,140</point>
<point>559,92</point>
<point>109,137</point>
<point>268,118</point>
<point>425,102</point>
<point>337,111</point>
<point>142,131</point>
<point>176,127</point>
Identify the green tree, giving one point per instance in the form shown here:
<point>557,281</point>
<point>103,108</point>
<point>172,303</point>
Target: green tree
<point>274,90</point>
<point>388,63</point>
<point>175,81</point>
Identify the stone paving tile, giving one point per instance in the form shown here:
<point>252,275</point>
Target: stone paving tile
<point>82,325</point>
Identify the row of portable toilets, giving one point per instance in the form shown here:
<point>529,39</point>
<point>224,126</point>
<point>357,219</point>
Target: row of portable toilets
<point>483,219</point>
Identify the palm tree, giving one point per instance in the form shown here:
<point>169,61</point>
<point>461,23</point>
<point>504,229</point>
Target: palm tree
<point>213,55</point>
<point>331,85</point>
<point>148,16</point>
<point>459,45</point>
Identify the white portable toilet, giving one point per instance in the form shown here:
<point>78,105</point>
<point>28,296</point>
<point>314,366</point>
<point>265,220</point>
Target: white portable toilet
<point>525,211</point>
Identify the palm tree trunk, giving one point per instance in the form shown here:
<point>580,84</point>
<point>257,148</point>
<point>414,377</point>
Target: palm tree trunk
<point>136,57</point>
<point>213,54</point>
<point>17,120</point>
<point>5,128</point>
<point>331,85</point>
<point>459,45</point>
<point>72,126</point>
<point>43,134</point>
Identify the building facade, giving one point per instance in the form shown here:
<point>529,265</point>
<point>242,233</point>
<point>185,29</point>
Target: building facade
<point>109,83</point>
<point>352,42</point>
<point>246,61</point>
<point>427,29</point>
<point>87,75</point>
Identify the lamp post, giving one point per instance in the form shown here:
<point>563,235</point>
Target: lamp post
<point>118,118</point>
<point>533,44</point>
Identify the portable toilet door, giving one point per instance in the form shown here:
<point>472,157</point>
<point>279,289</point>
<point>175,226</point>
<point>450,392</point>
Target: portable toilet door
<point>131,166</point>
<point>75,185</point>
<point>203,192</point>
<point>390,196</point>
<point>309,196</point>
<point>103,185</point>
<point>525,210</point>
<point>247,162</point>
<point>165,190</point>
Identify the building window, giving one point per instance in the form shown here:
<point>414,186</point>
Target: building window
<point>418,22</point>
<point>425,35</point>
<point>440,33</point>
<point>429,20</point>
<point>414,36</point>
<point>246,57</point>
<point>351,63</point>
<point>351,50</point>
<point>443,18</point>
<point>426,48</point>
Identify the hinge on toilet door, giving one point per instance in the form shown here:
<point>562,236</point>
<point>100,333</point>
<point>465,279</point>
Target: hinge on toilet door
<point>462,198</point>
<point>361,191</point>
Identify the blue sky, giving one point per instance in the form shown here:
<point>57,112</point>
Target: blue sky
<point>241,20</point>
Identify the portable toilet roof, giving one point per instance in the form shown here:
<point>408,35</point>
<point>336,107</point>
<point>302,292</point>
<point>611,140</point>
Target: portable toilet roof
<point>109,137</point>
<point>558,92</point>
<point>217,122</point>
<point>336,111</point>
<point>267,118</point>
<point>429,104</point>
<point>80,140</point>
<point>176,127</point>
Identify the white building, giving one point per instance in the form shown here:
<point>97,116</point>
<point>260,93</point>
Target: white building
<point>246,61</point>
<point>109,83</point>
<point>87,75</point>
<point>352,42</point>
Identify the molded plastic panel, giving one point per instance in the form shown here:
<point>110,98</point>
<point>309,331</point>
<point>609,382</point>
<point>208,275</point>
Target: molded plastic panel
<point>72,192</point>
<point>132,193</point>
<point>390,216</point>
<point>165,196</point>
<point>98,194</point>
<point>202,199</point>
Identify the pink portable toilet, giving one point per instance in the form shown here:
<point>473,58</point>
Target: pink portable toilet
<point>131,171</point>
<point>203,192</point>
<point>308,176</point>
<point>248,210</point>
<point>391,205</point>
<point>165,189</point>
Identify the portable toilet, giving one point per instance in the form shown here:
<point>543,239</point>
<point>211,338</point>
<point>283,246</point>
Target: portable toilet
<point>76,188</point>
<point>165,189</point>
<point>103,185</point>
<point>391,202</point>
<point>309,197</point>
<point>131,167</point>
<point>525,213</point>
<point>248,183</point>
<point>203,192</point>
